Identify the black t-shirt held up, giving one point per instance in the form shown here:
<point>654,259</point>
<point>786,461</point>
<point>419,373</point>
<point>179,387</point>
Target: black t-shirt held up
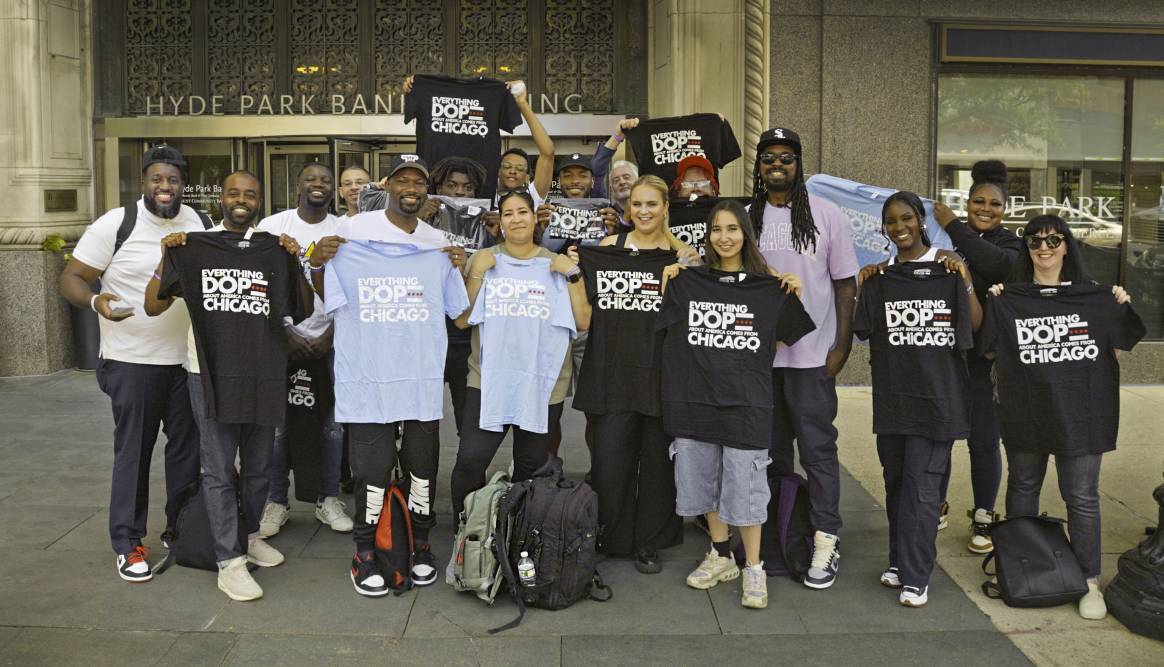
<point>721,334</point>
<point>237,290</point>
<point>461,117</point>
<point>660,143</point>
<point>1058,380</point>
<point>687,218</point>
<point>916,317</point>
<point>620,370</point>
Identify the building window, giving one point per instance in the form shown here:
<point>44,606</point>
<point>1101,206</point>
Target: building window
<point>1144,274</point>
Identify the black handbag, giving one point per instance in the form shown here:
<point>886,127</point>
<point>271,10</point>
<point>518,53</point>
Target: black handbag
<point>1035,564</point>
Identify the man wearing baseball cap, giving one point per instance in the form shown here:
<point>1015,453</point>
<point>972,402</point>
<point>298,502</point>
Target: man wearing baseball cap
<point>809,237</point>
<point>695,177</point>
<point>140,368</point>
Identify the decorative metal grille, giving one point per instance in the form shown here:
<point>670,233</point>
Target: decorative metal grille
<point>241,50</point>
<point>493,38</point>
<point>409,38</point>
<point>579,46</point>
<point>158,37</point>
<point>325,46</point>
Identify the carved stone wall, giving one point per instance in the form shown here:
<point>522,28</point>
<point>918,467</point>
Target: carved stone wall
<point>240,50</point>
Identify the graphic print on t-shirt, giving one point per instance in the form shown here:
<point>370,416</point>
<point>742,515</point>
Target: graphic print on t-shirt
<point>628,290</point>
<point>458,115</point>
<point>235,291</point>
<point>920,322</point>
<point>721,325</point>
<point>577,219</point>
<point>515,297</point>
<point>1054,339</point>
<point>460,219</point>
<point>659,144</point>
<point>392,299</point>
<point>299,391</point>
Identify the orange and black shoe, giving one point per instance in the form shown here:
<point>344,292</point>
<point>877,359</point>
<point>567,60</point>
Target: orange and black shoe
<point>366,575</point>
<point>134,566</point>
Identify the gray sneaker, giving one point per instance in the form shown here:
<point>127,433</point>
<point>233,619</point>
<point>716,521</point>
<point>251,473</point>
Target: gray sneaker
<point>755,594</point>
<point>237,582</point>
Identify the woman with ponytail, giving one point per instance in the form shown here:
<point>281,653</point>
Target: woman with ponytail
<point>991,252</point>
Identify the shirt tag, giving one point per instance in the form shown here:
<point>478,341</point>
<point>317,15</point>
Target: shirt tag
<point>1049,291</point>
<point>474,210</point>
<point>922,272</point>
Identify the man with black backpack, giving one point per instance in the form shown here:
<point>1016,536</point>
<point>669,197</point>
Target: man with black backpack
<point>140,365</point>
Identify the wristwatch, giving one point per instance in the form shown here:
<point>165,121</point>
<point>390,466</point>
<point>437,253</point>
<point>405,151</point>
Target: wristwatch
<point>574,276</point>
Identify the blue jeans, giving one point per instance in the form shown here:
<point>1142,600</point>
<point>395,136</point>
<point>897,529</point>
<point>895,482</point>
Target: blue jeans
<point>1079,487</point>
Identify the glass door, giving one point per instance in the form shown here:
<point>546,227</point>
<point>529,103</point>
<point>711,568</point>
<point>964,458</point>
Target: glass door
<point>281,166</point>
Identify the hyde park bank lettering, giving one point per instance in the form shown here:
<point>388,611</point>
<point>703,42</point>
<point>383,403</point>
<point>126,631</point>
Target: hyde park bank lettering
<point>311,105</point>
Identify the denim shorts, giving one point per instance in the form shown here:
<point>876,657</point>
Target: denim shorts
<point>712,478</point>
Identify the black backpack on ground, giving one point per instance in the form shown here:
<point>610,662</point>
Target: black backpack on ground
<point>1035,564</point>
<point>189,539</point>
<point>786,538</point>
<point>555,520</point>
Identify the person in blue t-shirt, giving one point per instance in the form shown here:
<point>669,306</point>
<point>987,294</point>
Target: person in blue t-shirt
<point>557,293</point>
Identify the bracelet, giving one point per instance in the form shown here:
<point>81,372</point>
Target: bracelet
<point>618,137</point>
<point>478,277</point>
<point>315,269</point>
<point>574,270</point>
<point>970,289</point>
<point>157,277</point>
<point>93,302</point>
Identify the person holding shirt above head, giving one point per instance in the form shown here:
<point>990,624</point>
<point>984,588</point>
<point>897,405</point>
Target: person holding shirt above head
<point>613,178</point>
<point>352,180</point>
<point>919,314</point>
<point>544,308</point>
<point>618,386</point>
<point>991,251</point>
<point>309,343</point>
<point>717,381</point>
<point>140,368</point>
<point>1055,337</point>
<point>809,237</point>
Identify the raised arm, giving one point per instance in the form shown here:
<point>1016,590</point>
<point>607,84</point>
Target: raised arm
<point>544,174</point>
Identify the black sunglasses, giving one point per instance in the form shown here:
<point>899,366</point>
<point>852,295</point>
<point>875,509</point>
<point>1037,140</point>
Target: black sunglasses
<point>771,158</point>
<point>1053,241</point>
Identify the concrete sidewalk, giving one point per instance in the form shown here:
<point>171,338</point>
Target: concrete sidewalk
<point>62,602</point>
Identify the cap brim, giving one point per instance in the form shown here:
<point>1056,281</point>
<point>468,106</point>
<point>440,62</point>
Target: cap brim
<point>410,165</point>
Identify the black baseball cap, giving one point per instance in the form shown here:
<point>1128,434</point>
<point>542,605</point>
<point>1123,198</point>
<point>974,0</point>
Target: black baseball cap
<point>575,160</point>
<point>163,154</point>
<point>779,135</point>
<point>407,161</point>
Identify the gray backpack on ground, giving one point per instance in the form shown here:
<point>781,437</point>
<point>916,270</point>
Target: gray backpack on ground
<point>475,567</point>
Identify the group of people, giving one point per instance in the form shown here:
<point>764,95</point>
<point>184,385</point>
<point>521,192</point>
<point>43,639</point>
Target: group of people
<point>704,370</point>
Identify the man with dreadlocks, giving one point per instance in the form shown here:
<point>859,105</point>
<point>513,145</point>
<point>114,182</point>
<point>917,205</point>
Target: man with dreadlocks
<point>809,237</point>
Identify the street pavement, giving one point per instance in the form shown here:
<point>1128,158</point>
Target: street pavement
<point>61,601</point>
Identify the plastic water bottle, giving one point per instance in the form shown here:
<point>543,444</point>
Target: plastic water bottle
<point>525,570</point>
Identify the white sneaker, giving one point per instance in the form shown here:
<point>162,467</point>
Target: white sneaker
<point>826,561</point>
<point>331,513</point>
<point>274,516</point>
<point>980,522</point>
<point>891,578</point>
<point>134,566</point>
<point>911,596</point>
<point>943,515</point>
<point>1091,606</point>
<point>712,570</point>
<point>262,554</point>
<point>237,582</point>
<point>755,593</point>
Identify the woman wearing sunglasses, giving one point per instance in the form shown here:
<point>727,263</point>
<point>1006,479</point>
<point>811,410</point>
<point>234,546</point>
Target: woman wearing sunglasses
<point>1057,335</point>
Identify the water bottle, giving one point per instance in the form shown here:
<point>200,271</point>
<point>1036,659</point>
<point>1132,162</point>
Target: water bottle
<point>525,570</point>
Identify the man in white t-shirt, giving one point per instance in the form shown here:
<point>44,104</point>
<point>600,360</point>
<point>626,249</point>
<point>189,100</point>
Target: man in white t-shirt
<point>140,365</point>
<point>310,339</point>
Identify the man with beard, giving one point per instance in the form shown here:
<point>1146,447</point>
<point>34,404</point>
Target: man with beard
<point>140,366</point>
<point>373,448</point>
<point>222,485</point>
<point>310,339</point>
<point>809,237</point>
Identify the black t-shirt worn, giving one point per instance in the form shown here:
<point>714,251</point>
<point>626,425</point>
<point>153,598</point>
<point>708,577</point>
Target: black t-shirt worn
<point>620,370</point>
<point>461,117</point>
<point>1058,380</point>
<point>687,218</point>
<point>916,317</point>
<point>577,219</point>
<point>660,143</point>
<point>721,334</point>
<point>237,291</point>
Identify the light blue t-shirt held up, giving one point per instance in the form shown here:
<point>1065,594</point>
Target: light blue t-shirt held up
<point>389,301</point>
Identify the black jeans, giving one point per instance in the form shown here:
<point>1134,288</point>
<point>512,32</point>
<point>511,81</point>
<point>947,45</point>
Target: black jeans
<point>373,456</point>
<point>804,407</point>
<point>145,397</point>
<point>478,447</point>
<point>254,445</point>
<point>1079,487</point>
<point>635,482</point>
<point>457,376</point>
<point>985,454</point>
<point>913,467</point>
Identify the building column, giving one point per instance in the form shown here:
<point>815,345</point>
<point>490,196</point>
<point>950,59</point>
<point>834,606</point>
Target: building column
<point>46,139</point>
<point>712,56</point>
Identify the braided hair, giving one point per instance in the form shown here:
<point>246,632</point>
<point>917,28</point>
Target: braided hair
<point>804,230</point>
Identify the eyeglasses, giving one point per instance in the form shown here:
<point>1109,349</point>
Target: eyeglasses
<point>510,166</point>
<point>771,158</point>
<point>1053,241</point>
<point>502,195</point>
<point>691,185</point>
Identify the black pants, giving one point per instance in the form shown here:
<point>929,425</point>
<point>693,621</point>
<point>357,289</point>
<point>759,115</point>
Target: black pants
<point>635,481</point>
<point>804,407</point>
<point>985,454</point>
<point>457,376</point>
<point>913,467</point>
<point>254,446</point>
<point>373,455</point>
<point>478,447</point>
<point>145,397</point>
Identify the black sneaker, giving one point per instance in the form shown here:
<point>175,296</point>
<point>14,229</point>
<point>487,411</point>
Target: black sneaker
<point>647,562</point>
<point>424,570</point>
<point>134,566</point>
<point>366,575</point>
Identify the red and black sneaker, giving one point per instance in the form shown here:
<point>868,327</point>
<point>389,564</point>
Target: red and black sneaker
<point>134,566</point>
<point>366,575</point>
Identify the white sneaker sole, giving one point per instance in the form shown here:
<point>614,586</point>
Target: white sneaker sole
<point>711,583</point>
<point>367,594</point>
<point>820,587</point>
<point>752,603</point>
<point>329,524</point>
<point>888,583</point>
<point>914,604</point>
<point>266,532</point>
<point>136,580</point>
<point>429,582</point>
<point>263,563</point>
<point>236,597</point>
<point>981,551</point>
